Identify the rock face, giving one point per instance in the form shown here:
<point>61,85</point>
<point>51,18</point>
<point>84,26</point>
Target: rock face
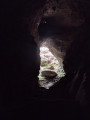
<point>67,35</point>
<point>60,26</point>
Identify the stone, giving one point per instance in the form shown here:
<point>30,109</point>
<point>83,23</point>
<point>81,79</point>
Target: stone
<point>49,74</point>
<point>51,68</point>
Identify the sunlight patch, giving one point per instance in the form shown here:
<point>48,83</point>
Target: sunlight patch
<point>50,68</point>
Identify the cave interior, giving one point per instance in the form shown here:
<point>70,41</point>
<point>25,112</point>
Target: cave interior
<point>30,86</point>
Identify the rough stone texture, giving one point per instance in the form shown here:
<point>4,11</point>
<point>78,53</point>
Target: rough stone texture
<point>75,34</point>
<point>59,26</point>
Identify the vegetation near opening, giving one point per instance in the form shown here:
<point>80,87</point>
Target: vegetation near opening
<point>50,69</point>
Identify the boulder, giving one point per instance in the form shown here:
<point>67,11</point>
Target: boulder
<point>49,74</point>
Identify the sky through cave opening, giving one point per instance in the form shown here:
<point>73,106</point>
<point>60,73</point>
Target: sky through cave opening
<point>51,70</point>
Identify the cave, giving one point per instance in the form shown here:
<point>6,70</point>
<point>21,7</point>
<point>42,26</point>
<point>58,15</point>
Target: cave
<point>60,27</point>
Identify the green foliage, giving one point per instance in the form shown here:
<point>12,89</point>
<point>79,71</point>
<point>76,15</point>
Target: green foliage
<point>61,74</point>
<point>41,78</point>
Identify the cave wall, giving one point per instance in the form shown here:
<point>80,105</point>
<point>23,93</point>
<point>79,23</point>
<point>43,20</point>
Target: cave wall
<point>20,19</point>
<point>60,25</point>
<point>20,60</point>
<point>74,20</point>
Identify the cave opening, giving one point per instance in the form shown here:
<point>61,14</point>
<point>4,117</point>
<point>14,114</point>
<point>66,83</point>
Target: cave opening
<point>51,69</point>
<point>53,46</point>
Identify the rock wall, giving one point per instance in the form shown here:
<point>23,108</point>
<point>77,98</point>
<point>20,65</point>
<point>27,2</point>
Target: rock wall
<point>72,27</point>
<point>60,26</point>
<point>20,60</point>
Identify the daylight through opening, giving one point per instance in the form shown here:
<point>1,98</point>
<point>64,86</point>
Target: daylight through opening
<point>51,70</point>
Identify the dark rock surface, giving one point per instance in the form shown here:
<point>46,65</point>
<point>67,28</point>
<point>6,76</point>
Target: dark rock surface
<point>49,74</point>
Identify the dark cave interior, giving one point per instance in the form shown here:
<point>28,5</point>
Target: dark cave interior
<point>63,26</point>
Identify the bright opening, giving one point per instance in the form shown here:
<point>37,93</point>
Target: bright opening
<point>51,70</point>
